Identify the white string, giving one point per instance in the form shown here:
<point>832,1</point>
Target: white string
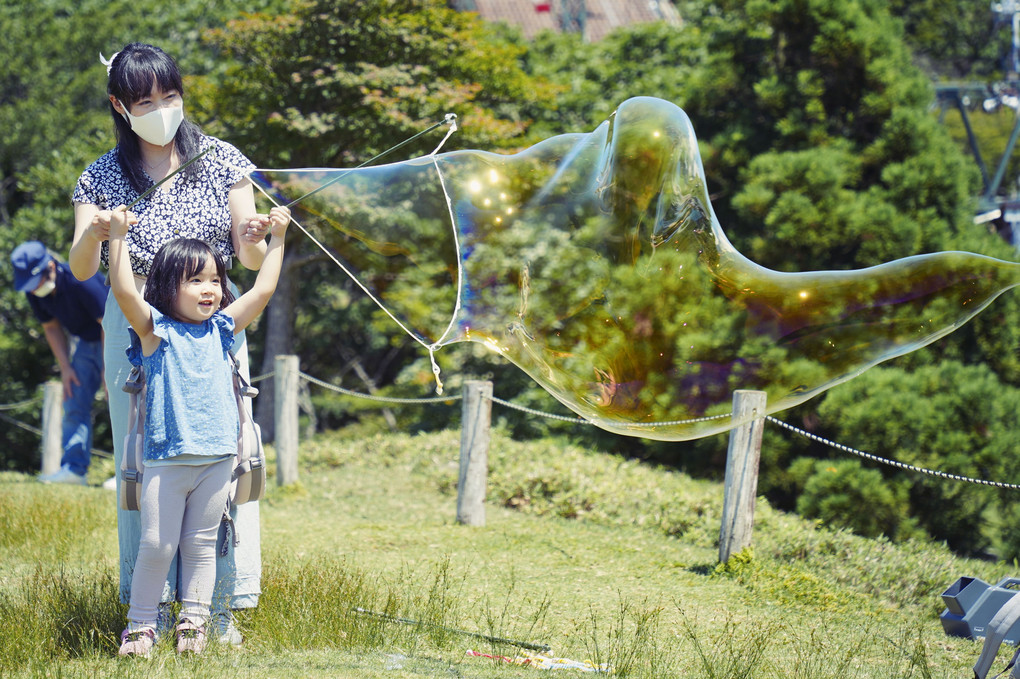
<point>451,120</point>
<point>347,271</point>
<point>456,244</point>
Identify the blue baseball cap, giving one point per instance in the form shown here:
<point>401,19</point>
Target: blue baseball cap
<point>30,260</point>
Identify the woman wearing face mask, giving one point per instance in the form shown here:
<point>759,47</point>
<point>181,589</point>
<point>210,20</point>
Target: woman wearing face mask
<point>210,199</point>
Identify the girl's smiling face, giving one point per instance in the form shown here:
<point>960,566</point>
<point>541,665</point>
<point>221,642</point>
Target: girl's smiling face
<point>199,295</point>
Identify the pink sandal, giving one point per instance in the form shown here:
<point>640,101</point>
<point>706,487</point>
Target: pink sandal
<point>190,637</point>
<point>137,643</point>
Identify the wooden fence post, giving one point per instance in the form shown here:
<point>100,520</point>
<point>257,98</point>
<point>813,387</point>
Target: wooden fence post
<point>475,423</point>
<point>741,486</point>
<point>285,411</point>
<point>52,426</point>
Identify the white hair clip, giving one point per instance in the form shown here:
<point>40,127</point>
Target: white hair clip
<point>108,64</point>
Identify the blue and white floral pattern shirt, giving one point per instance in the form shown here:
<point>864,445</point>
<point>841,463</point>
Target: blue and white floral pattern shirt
<point>177,209</point>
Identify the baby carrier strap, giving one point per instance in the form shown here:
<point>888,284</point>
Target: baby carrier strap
<point>130,495</point>
<point>248,480</point>
<point>249,476</point>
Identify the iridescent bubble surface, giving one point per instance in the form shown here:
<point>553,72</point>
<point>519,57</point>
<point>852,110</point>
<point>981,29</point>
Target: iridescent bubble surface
<point>594,262</point>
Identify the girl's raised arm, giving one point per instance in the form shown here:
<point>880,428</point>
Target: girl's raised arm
<point>248,306</point>
<point>131,302</point>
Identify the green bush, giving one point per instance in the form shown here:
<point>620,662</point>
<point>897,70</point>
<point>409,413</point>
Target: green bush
<point>953,418</point>
<point>1007,544</point>
<point>843,494</point>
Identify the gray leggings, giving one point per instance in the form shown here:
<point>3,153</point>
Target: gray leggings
<point>181,506</point>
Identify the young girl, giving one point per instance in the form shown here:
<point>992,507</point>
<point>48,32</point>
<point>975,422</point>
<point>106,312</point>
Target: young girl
<point>183,329</point>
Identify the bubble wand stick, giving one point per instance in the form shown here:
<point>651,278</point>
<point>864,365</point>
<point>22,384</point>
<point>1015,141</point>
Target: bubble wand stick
<point>450,118</point>
<point>164,179</point>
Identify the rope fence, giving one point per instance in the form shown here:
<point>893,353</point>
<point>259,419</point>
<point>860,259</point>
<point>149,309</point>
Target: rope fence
<point>20,424</point>
<point>5,407</point>
<point>891,463</point>
<point>579,420</point>
<point>742,457</point>
<point>20,404</point>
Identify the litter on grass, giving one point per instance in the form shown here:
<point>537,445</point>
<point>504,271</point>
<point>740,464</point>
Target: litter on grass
<point>545,661</point>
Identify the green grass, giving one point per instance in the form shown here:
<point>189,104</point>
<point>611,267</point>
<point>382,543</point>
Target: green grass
<point>602,559</point>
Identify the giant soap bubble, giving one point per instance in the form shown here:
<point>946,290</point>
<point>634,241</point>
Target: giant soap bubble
<point>594,262</point>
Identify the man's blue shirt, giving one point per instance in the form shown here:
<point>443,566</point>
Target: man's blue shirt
<point>78,305</point>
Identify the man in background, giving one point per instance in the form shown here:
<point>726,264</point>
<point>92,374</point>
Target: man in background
<point>71,313</point>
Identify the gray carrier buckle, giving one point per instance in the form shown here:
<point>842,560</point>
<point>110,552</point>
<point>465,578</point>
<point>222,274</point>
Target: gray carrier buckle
<point>131,475</point>
<point>133,383</point>
<point>248,391</point>
<point>249,465</point>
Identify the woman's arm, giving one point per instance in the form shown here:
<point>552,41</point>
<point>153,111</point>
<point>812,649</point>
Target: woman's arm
<point>248,229</point>
<point>91,228</point>
<point>248,306</point>
<point>122,283</point>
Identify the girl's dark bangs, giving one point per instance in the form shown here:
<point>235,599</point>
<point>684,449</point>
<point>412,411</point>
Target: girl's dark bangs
<point>193,265</point>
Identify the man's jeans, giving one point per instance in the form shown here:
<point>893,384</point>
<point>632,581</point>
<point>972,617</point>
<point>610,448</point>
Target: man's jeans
<point>87,361</point>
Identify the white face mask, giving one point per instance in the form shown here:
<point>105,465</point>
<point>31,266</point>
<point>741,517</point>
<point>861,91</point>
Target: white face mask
<point>156,127</point>
<point>45,288</point>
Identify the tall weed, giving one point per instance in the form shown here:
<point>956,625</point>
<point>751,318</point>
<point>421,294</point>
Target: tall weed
<point>313,603</point>
<point>731,652</point>
<point>630,646</point>
<point>57,616</point>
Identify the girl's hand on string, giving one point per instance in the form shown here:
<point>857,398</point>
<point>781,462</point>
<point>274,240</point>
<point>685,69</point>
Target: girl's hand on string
<point>118,221</point>
<point>279,217</point>
<point>256,228</point>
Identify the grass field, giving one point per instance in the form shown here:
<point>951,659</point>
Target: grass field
<point>601,559</point>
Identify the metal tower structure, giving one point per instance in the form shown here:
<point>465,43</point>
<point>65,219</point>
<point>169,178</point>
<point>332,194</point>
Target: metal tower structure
<point>1010,9</point>
<point>993,207</point>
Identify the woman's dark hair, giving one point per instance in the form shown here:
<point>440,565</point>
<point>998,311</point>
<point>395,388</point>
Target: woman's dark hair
<point>132,74</point>
<point>175,262</point>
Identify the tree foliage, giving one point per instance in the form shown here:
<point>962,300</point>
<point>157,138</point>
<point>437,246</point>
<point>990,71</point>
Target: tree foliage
<point>954,40</point>
<point>331,84</point>
<point>834,491</point>
<point>949,417</point>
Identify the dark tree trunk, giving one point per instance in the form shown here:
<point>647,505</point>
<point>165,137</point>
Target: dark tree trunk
<point>279,339</point>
